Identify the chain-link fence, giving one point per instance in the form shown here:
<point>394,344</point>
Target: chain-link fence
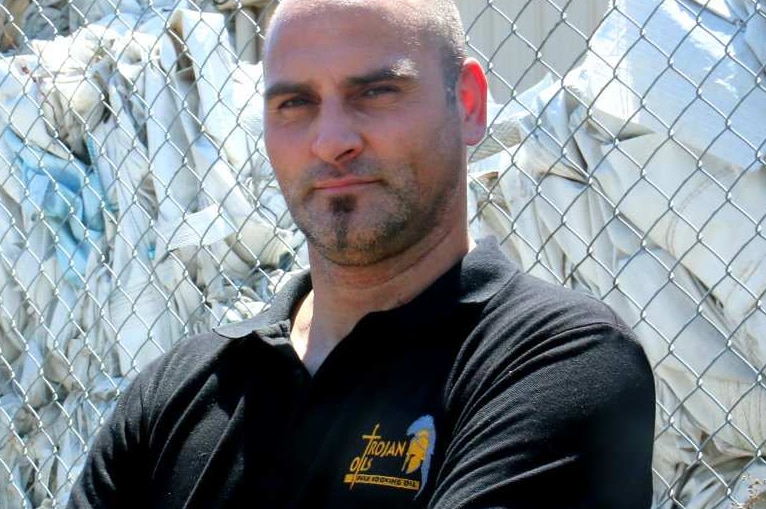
<point>137,206</point>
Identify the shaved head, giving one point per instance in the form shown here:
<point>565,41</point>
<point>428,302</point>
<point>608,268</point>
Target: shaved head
<point>369,108</point>
<point>433,22</point>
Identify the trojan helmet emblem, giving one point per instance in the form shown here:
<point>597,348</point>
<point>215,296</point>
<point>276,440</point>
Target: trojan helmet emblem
<point>422,435</point>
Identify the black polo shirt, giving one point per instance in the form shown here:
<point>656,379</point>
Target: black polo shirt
<point>491,389</point>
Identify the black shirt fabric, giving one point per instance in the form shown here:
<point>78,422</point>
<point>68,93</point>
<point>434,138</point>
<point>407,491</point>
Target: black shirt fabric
<point>491,389</point>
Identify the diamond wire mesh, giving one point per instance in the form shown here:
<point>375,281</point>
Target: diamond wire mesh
<point>138,207</point>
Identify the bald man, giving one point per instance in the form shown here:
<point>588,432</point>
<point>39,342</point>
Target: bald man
<point>411,367</point>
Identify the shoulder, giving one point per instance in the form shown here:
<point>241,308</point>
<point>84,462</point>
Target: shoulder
<point>551,386</point>
<point>539,345</point>
<point>223,351</point>
<point>184,366</point>
<point>528,307</point>
<point>508,296</point>
<point>534,326</point>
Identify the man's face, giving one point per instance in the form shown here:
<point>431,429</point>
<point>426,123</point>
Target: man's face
<point>367,151</point>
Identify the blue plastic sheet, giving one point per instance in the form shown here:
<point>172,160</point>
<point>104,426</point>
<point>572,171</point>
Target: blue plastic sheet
<point>69,195</point>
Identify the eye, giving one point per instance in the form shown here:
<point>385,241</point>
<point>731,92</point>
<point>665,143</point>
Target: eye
<point>293,102</point>
<point>379,90</point>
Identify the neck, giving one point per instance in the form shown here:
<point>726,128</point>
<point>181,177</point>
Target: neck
<point>342,295</point>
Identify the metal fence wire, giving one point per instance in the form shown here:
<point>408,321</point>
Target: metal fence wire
<point>137,206</point>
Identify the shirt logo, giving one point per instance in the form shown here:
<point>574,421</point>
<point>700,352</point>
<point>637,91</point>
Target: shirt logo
<point>400,464</point>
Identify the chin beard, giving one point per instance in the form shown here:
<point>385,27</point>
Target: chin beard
<point>338,243</point>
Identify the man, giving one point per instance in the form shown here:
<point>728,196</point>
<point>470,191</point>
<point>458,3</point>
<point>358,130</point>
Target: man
<point>411,368</point>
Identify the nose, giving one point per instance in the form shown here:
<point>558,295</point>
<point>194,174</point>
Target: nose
<point>337,139</point>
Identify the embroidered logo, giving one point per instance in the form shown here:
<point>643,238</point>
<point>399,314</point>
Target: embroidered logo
<point>413,452</point>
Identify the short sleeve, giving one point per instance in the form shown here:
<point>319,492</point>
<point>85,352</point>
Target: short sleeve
<point>560,422</point>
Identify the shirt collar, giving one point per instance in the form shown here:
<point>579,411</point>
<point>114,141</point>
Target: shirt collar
<point>474,280</point>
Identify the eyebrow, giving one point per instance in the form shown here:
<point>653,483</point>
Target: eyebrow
<point>286,88</point>
<point>403,70</point>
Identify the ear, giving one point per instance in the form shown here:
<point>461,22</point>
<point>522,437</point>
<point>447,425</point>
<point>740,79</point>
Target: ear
<point>472,101</point>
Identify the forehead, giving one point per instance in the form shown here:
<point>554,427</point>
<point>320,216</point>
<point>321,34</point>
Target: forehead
<point>342,37</point>
<point>405,14</point>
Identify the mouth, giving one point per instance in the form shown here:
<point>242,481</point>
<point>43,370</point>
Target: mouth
<point>345,184</point>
